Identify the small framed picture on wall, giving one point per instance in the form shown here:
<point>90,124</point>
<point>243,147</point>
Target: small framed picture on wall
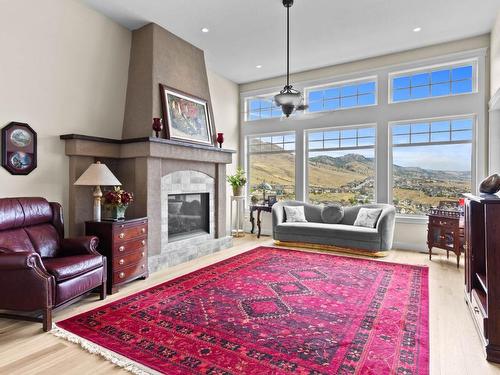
<point>19,154</point>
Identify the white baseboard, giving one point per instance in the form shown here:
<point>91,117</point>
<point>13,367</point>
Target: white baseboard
<point>410,246</point>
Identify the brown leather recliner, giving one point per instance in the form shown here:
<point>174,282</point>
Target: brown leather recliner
<point>39,269</point>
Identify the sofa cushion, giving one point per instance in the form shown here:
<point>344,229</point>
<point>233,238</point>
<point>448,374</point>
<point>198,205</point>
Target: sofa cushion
<point>15,240</point>
<point>36,211</point>
<point>294,214</point>
<point>11,214</point>
<point>45,239</point>
<point>310,230</point>
<point>367,217</point>
<point>332,213</point>
<point>65,268</point>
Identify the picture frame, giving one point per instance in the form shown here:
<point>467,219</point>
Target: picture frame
<point>186,117</point>
<point>19,148</point>
<point>271,200</point>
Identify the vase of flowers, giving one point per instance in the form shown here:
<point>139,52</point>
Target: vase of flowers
<point>116,203</point>
<point>237,181</point>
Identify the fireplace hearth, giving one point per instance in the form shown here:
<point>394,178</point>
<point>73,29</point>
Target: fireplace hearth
<point>188,215</point>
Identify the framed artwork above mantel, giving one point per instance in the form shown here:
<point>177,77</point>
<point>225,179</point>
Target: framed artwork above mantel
<point>186,117</point>
<point>19,148</point>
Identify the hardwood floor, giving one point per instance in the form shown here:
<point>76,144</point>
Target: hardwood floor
<point>455,347</point>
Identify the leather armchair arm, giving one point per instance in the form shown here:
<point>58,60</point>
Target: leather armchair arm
<point>19,261</point>
<point>80,245</point>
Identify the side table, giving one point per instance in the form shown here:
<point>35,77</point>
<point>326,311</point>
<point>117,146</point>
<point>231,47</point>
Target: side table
<point>445,230</point>
<point>237,223</point>
<point>259,208</point>
<point>124,243</point>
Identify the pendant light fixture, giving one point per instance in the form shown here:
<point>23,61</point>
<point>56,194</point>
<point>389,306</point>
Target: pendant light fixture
<point>289,99</point>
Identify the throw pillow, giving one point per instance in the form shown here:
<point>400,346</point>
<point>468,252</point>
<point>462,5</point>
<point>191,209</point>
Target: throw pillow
<point>367,217</point>
<point>295,214</point>
<point>332,213</point>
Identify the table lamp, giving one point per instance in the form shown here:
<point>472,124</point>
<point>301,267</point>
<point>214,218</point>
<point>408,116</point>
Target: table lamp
<point>97,175</point>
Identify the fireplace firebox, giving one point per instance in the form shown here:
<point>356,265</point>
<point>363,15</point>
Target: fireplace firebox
<point>188,215</point>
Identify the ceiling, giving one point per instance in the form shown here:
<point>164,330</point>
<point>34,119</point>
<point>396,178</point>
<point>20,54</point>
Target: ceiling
<point>244,34</point>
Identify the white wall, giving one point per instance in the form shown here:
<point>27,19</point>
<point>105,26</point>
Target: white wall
<point>225,105</point>
<point>410,232</point>
<point>63,69</point>
<point>495,57</point>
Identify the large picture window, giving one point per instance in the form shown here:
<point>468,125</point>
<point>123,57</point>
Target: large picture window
<point>271,160</point>
<point>341,165</point>
<point>432,162</point>
<point>342,96</point>
<point>433,82</point>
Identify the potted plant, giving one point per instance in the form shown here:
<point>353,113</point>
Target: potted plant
<point>264,187</point>
<point>237,181</point>
<point>116,202</point>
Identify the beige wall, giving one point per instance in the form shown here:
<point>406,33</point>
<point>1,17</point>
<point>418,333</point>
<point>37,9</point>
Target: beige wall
<point>481,41</point>
<point>495,56</point>
<point>225,103</point>
<point>63,69</point>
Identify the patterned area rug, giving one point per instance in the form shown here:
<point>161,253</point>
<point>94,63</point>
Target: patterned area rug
<point>269,311</point>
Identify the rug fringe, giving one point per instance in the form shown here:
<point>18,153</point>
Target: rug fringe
<point>115,358</point>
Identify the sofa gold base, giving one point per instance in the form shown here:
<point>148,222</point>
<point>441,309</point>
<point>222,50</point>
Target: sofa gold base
<point>306,245</point>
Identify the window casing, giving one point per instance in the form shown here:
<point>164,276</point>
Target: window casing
<point>341,165</point>
<point>431,82</point>
<point>431,162</point>
<point>342,95</point>
<point>271,159</point>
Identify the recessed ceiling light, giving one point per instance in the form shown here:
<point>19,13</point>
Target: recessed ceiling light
<point>258,66</point>
<point>417,29</point>
<point>205,30</point>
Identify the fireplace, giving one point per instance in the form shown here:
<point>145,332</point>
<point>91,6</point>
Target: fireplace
<point>188,215</point>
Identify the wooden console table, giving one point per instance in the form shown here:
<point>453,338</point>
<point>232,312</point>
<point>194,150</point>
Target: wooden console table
<point>259,208</point>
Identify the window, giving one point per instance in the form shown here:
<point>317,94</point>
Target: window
<point>432,162</point>
<point>341,96</point>
<point>260,108</point>
<point>271,159</point>
<point>429,83</point>
<point>341,165</point>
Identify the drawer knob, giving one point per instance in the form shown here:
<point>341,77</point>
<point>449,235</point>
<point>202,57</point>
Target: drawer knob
<point>476,309</point>
<point>121,248</point>
<point>143,266</point>
<point>143,230</point>
<point>122,235</point>
<point>143,242</point>
<point>121,275</point>
<point>143,254</point>
<point>121,261</point>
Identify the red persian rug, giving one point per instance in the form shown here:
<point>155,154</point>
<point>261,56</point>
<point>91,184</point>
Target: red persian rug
<point>269,311</point>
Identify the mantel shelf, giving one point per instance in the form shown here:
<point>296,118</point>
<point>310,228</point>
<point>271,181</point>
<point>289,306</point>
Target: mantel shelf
<point>150,147</point>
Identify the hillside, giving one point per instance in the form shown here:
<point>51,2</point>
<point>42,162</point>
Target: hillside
<point>349,178</point>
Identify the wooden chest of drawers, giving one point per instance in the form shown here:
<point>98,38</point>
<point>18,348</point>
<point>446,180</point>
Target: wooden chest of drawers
<point>125,244</point>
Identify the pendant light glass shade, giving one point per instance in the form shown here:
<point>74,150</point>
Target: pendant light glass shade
<point>288,98</point>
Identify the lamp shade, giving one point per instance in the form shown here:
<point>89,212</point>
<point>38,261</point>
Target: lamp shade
<point>98,175</point>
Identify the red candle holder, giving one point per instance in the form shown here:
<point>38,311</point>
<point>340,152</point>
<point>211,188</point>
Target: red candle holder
<point>220,139</point>
<point>157,126</point>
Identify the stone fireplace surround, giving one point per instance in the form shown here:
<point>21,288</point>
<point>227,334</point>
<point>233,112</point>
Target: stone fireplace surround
<point>152,168</point>
<point>141,162</point>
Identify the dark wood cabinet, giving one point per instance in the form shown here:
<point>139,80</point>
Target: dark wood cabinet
<point>482,269</point>
<point>125,245</point>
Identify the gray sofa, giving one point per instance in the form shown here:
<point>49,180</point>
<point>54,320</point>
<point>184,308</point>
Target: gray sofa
<point>344,234</point>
